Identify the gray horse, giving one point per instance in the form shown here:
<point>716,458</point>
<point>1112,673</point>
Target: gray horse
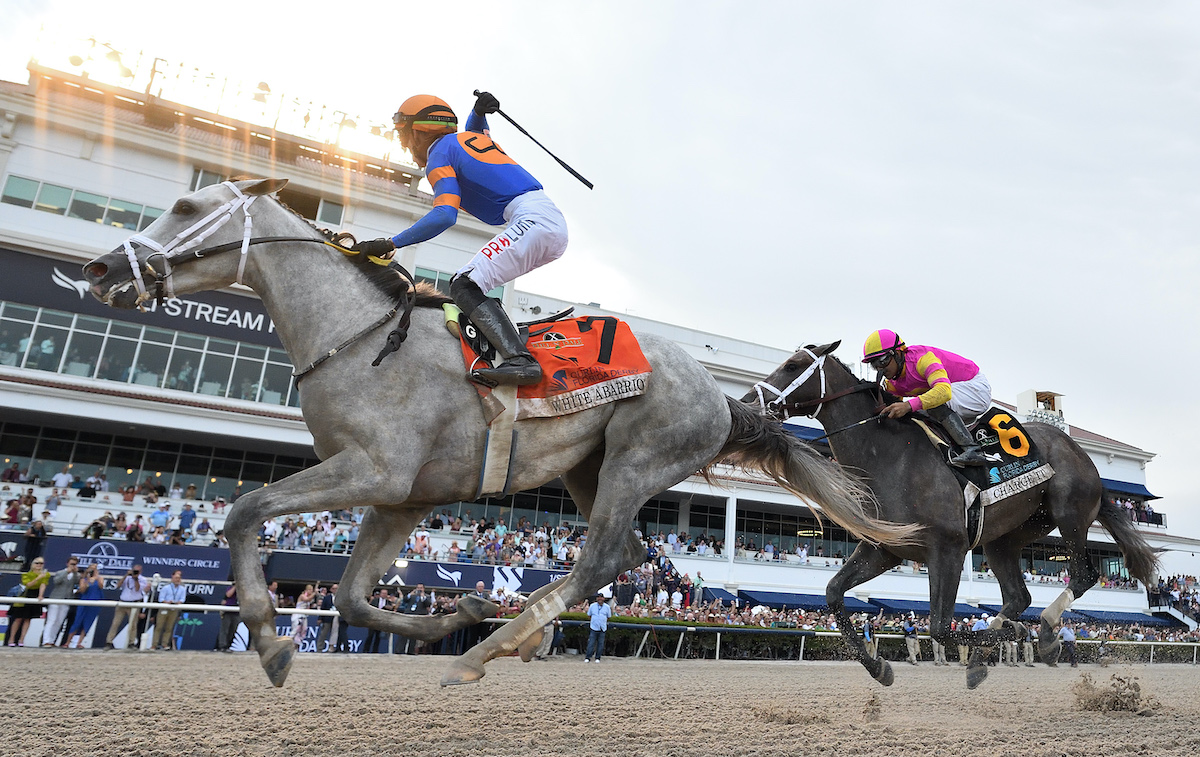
<point>408,435</point>
<point>913,484</point>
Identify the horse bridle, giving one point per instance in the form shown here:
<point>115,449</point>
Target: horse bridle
<point>181,248</point>
<point>780,406</point>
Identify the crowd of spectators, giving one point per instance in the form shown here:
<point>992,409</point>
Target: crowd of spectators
<point>1138,510</point>
<point>318,532</point>
<point>1179,592</point>
<point>484,541</point>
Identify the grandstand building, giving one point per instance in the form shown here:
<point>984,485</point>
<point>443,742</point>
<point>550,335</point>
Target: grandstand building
<point>199,391</point>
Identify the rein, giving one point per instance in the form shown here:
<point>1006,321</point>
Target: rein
<point>181,250</point>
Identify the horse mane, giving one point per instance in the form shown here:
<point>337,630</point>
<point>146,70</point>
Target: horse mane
<point>384,277</point>
<point>887,396</point>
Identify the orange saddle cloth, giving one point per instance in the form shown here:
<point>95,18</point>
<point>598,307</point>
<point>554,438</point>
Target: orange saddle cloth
<point>586,362</point>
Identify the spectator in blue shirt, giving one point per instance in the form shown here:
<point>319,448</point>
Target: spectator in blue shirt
<point>161,516</point>
<point>173,593</point>
<point>1067,634</point>
<point>599,611</point>
<point>187,517</point>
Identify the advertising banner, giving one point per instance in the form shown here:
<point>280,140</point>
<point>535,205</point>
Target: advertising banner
<point>117,557</point>
<point>464,576</point>
<point>59,284</point>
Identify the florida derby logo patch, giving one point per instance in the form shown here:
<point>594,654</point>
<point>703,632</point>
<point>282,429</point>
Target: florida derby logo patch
<point>553,340</point>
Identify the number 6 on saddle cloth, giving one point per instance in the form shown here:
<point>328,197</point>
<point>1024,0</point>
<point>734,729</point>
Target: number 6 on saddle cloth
<point>1013,466</point>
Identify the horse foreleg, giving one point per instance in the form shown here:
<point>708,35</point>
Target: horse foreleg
<point>582,482</point>
<point>382,536</point>
<point>867,562</point>
<point>306,491</point>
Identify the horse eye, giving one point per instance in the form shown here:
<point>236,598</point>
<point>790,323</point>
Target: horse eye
<point>183,208</point>
<point>791,367</point>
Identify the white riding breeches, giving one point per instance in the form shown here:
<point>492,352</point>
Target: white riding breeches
<point>970,399</point>
<point>536,234</point>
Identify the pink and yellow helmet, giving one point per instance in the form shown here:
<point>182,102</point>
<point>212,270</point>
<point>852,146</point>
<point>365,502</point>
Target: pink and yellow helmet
<point>880,343</point>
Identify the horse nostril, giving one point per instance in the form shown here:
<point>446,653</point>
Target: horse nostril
<point>96,270</point>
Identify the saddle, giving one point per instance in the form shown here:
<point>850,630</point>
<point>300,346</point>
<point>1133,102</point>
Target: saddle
<point>1014,464</point>
<point>586,362</point>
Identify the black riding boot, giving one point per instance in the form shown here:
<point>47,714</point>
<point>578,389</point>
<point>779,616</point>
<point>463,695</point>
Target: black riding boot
<point>518,366</point>
<point>971,453</point>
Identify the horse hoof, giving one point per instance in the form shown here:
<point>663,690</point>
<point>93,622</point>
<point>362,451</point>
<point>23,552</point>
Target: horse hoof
<point>529,646</point>
<point>276,658</point>
<point>463,671</point>
<point>476,608</point>
<point>884,675</point>
<point>976,676</point>
<point>1048,653</point>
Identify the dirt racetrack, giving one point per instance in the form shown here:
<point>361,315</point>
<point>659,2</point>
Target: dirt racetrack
<point>67,703</point>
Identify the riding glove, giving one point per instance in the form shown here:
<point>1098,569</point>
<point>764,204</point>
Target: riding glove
<point>486,103</point>
<point>378,247</point>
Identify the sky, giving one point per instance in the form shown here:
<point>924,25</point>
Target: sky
<point>1013,181</point>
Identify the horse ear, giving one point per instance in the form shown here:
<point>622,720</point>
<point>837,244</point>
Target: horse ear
<point>265,186</point>
<point>825,349</point>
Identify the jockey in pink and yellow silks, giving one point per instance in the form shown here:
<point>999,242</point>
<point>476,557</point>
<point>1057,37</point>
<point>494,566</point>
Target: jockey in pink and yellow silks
<point>949,387</point>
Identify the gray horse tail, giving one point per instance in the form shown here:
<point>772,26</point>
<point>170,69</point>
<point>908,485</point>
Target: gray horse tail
<point>1141,560</point>
<point>758,443</point>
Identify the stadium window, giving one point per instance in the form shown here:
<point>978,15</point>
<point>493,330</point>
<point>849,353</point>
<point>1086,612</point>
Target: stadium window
<point>202,178</point>
<point>438,279</point>
<point>149,216</point>
<point>123,215</point>
<point>88,207</point>
<point>330,213</point>
<point>441,280</point>
<point>19,191</point>
<point>53,199</point>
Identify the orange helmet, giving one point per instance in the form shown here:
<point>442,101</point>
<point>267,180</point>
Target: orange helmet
<point>426,113</point>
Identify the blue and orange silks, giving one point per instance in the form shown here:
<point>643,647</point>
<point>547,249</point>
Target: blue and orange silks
<point>468,171</point>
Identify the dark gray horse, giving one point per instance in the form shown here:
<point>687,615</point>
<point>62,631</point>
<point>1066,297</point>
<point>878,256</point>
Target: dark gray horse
<point>408,436</point>
<point>912,484</point>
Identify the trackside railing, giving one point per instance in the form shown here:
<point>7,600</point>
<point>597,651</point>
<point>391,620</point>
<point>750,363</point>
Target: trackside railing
<point>648,628</point>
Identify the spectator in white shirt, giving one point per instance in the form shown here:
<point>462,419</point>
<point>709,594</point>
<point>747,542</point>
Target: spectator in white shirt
<point>63,478</point>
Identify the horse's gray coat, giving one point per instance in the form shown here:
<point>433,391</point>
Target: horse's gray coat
<point>912,484</point>
<point>407,436</point>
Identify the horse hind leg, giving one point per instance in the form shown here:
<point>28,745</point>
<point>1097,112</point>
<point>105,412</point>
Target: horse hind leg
<point>382,536</point>
<point>526,648</point>
<point>611,548</point>
<point>1083,577</point>
<point>582,482</point>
